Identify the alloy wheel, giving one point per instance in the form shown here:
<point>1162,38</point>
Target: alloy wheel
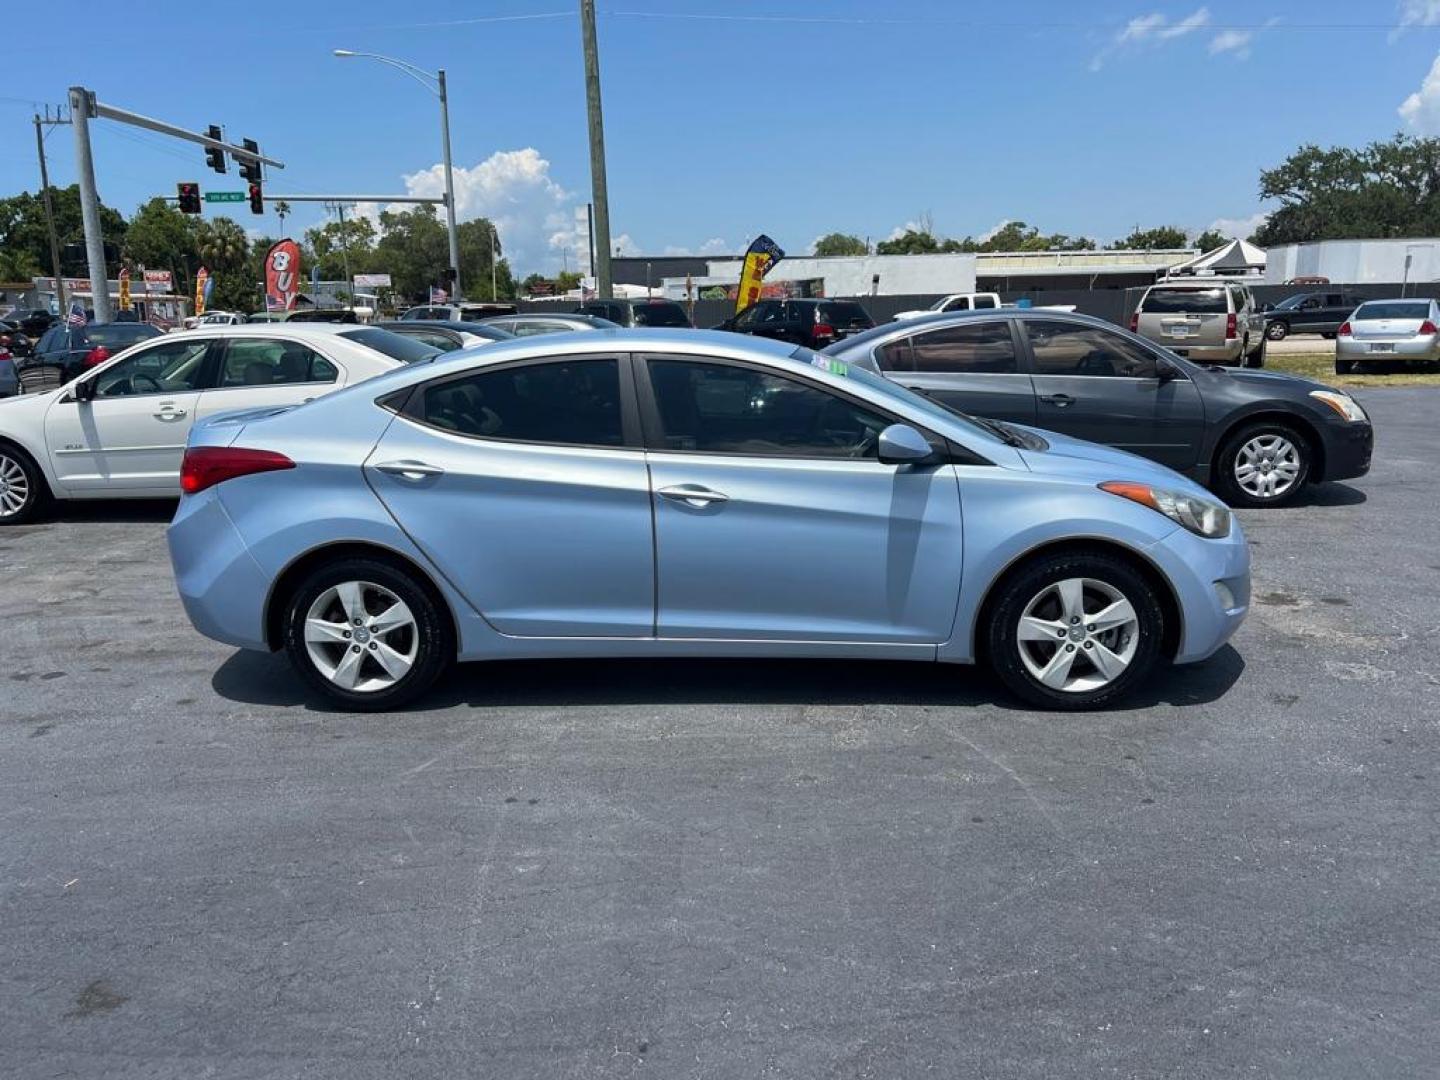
<point>1078,634</point>
<point>1267,466</point>
<point>14,486</point>
<point>361,636</point>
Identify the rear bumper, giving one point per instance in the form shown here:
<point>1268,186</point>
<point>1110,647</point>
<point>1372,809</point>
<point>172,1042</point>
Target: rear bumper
<point>1348,449</point>
<point>222,587</point>
<point>1228,353</point>
<point>1424,350</point>
<point>1211,579</point>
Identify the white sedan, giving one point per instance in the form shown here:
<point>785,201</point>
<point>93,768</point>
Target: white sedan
<point>119,431</point>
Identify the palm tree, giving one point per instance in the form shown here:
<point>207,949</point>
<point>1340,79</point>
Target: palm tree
<point>222,244</point>
<point>282,208</point>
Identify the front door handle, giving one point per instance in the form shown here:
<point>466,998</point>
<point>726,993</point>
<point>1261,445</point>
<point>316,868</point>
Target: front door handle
<point>1060,401</point>
<point>692,495</point>
<point>409,470</point>
<point>169,412</point>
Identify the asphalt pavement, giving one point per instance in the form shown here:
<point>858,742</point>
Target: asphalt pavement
<point>730,869</point>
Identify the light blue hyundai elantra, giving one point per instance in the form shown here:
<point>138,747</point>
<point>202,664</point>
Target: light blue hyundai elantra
<point>661,493</point>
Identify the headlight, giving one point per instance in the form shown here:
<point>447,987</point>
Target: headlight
<point>1343,404</point>
<point>1200,516</point>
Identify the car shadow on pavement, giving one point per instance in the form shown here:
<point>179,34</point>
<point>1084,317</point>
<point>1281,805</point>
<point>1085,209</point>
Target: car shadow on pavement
<point>254,678</point>
<point>105,511</point>
<point>1328,494</point>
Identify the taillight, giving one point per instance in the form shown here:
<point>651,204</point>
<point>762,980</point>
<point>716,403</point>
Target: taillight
<point>206,466</point>
<point>1427,327</point>
<point>1229,326</point>
<point>97,355</point>
<point>824,330</point>
<point>1344,330</point>
<point>1135,322</point>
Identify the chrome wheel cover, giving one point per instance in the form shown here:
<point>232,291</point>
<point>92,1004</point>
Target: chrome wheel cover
<point>1267,466</point>
<point>14,486</point>
<point>361,636</point>
<point>1078,634</point>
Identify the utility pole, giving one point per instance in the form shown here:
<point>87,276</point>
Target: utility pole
<point>494,295</point>
<point>597,150</point>
<point>50,213</point>
<point>81,104</point>
<point>345,250</point>
<point>454,233</point>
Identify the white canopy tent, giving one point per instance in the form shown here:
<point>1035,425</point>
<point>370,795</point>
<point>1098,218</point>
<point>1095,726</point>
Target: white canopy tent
<point>1238,258</point>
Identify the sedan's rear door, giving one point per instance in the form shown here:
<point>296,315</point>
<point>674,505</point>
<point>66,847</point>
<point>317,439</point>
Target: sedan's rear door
<point>262,372</point>
<point>971,365</point>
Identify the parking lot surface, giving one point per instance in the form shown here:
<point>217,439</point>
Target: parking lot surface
<point>730,869</point>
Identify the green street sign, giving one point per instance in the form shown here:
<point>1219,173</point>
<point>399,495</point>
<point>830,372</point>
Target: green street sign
<point>224,196</point>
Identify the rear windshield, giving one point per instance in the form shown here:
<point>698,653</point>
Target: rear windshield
<point>407,350</point>
<point>113,334</point>
<point>660,315</point>
<point>1394,309</point>
<point>843,314</point>
<point>1187,301</point>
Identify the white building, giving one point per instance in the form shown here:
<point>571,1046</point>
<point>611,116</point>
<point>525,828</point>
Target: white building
<point>1356,262</point>
<point>851,275</point>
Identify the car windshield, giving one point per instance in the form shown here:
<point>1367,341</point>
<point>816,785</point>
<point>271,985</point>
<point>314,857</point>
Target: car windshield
<point>844,314</point>
<point>407,350</point>
<point>1184,301</point>
<point>890,389</point>
<point>1290,303</point>
<point>119,335</point>
<point>1394,309</point>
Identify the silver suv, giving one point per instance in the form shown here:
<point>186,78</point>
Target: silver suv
<point>1210,321</point>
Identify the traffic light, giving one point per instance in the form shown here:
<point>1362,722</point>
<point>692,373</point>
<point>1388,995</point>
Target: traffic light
<point>257,199</point>
<point>189,194</point>
<point>249,166</point>
<point>214,156</point>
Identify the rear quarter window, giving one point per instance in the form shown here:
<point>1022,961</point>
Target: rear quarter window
<point>1185,301</point>
<point>406,349</point>
<point>843,314</point>
<point>660,315</point>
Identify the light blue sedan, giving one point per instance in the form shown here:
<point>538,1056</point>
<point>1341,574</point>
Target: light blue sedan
<point>660,493</point>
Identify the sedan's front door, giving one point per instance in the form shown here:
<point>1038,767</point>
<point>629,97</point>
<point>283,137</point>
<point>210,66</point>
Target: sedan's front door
<point>774,518</point>
<point>524,485</point>
<point>1095,384</point>
<point>129,437</point>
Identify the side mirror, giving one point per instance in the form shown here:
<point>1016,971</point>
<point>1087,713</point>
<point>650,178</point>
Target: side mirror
<point>85,390</point>
<point>1165,371</point>
<point>901,444</point>
<point>1267,306</point>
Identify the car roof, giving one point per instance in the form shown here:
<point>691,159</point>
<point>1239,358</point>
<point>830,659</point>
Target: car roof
<point>475,326</point>
<point>641,339</point>
<point>270,329</point>
<point>937,319</point>
<point>632,301</point>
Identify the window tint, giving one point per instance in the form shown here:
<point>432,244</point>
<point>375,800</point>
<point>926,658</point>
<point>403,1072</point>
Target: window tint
<point>751,315</point>
<point>960,303</point>
<point>845,314</point>
<point>436,339</point>
<point>1394,309</point>
<point>895,356</point>
<point>163,369</point>
<point>117,336</point>
<point>531,328</point>
<point>660,315</point>
<point>1070,349</point>
<point>972,347</point>
<point>1186,301</point>
<point>724,409</point>
<point>265,362</point>
<point>574,402</point>
<point>407,350</point>
<point>984,302</point>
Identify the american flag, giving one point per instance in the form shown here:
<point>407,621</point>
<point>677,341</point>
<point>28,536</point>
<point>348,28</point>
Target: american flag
<point>76,318</point>
<point>438,296</point>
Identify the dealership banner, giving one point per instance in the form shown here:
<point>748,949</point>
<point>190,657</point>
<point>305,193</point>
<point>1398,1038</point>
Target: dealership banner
<point>202,290</point>
<point>762,254</point>
<point>158,281</point>
<point>372,281</point>
<point>124,288</point>
<point>282,275</point>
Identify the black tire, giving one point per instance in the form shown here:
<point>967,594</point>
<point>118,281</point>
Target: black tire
<point>1032,581</point>
<point>1256,356</point>
<point>1277,330</point>
<point>1344,367</point>
<point>19,474</point>
<point>1227,485</point>
<point>433,638</point>
<point>1328,335</point>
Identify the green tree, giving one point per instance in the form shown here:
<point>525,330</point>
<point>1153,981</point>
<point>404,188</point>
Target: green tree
<point>475,255</point>
<point>1383,189</point>
<point>840,244</point>
<point>910,242</point>
<point>567,280</point>
<point>413,249</point>
<point>159,237</point>
<point>224,250</point>
<point>1211,239</point>
<point>328,242</point>
<point>1165,236</point>
<point>22,229</point>
<point>18,265</point>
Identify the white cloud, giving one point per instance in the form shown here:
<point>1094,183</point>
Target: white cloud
<point>1416,13</point>
<point>989,233</point>
<point>1242,227</point>
<point>1421,110</point>
<point>1153,28</point>
<point>1232,41</point>
<point>716,245</point>
<point>901,230</point>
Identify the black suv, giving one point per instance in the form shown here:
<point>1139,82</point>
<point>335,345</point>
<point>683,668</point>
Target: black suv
<point>1311,313</point>
<point>812,323</point>
<point>636,312</point>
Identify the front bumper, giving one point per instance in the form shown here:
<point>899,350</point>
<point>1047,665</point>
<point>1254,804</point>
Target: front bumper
<point>1348,449</point>
<point>220,584</point>
<point>1211,579</point>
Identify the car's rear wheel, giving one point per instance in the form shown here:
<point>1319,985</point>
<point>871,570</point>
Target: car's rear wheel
<point>367,635</point>
<point>23,492</point>
<point>1344,367</point>
<point>1277,330</point>
<point>1075,630</point>
<point>1262,464</point>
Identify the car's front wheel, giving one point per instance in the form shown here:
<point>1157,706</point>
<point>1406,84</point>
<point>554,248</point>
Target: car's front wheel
<point>1075,630</point>
<point>1262,464</point>
<point>367,634</point>
<point>23,492</point>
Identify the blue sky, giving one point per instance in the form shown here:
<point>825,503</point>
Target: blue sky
<point>792,117</point>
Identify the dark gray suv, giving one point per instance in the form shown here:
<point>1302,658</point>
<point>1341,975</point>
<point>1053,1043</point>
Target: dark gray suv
<point>1255,437</point>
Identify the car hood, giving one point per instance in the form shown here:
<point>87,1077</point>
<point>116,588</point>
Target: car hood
<point>1269,383</point>
<point>1078,458</point>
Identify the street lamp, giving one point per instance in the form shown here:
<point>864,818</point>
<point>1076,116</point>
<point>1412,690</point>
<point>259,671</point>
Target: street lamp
<point>436,85</point>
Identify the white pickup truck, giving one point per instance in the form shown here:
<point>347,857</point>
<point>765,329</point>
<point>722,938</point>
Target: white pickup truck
<point>972,301</point>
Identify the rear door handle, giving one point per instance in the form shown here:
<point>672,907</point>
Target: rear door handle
<point>409,470</point>
<point>692,495</point>
<point>1060,401</point>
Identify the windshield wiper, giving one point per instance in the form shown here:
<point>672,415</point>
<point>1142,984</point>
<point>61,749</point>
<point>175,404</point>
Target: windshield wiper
<point>1004,434</point>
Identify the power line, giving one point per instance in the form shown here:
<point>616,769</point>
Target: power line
<point>995,24</point>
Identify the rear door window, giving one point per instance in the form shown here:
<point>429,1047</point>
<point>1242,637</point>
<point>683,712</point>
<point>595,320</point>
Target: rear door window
<point>560,402</point>
<point>1062,348</point>
<point>661,314</point>
<point>268,362</point>
<point>971,348</point>
<point>1185,301</point>
<point>845,315</point>
<point>984,302</point>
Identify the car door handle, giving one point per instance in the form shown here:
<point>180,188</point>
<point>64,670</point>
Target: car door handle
<point>409,470</point>
<point>1060,401</point>
<point>168,411</point>
<point>693,495</point>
